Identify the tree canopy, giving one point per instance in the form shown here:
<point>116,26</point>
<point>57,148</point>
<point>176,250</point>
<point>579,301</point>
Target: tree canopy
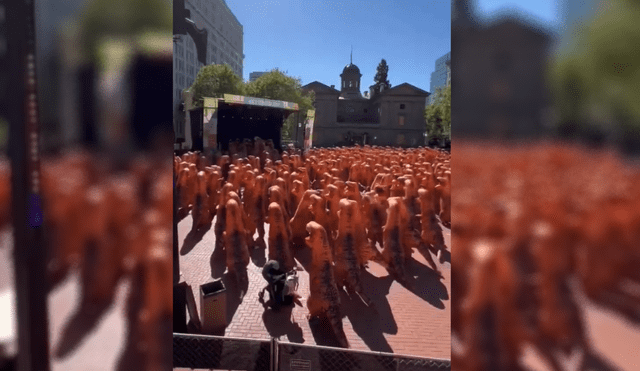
<point>595,80</point>
<point>216,80</point>
<point>438,115</point>
<point>277,85</point>
<point>102,18</point>
<point>380,79</point>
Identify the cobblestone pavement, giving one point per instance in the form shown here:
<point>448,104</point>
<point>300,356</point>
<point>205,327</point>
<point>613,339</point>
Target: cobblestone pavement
<point>402,322</point>
<point>101,349</point>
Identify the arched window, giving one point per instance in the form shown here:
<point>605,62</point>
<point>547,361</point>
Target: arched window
<point>350,83</point>
<point>344,84</point>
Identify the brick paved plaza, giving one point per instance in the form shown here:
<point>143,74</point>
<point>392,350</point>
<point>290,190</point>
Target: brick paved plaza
<point>101,347</point>
<point>403,322</point>
<point>613,338</point>
<point>400,321</point>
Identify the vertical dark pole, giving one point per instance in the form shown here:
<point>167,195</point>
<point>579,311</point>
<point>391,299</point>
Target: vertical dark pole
<point>176,253</point>
<point>30,274</point>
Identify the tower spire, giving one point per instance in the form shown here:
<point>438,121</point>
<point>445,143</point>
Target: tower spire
<point>351,54</point>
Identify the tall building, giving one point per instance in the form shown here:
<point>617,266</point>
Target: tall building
<point>51,16</point>
<point>439,76</point>
<point>253,76</point>
<point>225,40</point>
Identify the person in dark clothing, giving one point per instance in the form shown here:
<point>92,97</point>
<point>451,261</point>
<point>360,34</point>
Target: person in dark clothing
<point>276,280</point>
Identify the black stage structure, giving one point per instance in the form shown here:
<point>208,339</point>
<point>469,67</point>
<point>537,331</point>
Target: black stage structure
<point>240,118</point>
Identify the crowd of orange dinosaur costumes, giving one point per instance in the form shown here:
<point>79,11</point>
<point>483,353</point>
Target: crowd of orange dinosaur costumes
<point>528,223</point>
<point>348,205</point>
<point>110,226</point>
<point>532,226</point>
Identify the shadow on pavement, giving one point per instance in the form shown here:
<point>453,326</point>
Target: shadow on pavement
<point>192,239</point>
<point>446,254</point>
<point>218,263</point>
<point>366,322</point>
<point>259,256</point>
<point>84,321</point>
<point>593,361</point>
<point>134,355</point>
<point>279,323</point>
<point>92,307</point>
<point>322,332</point>
<point>134,359</point>
<point>233,295</point>
<point>427,284</point>
<point>377,288</point>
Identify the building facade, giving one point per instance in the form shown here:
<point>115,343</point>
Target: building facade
<point>225,41</point>
<point>440,76</point>
<point>253,76</point>
<point>394,117</point>
<point>499,88</point>
<point>51,19</point>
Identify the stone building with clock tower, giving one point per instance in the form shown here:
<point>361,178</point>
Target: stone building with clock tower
<point>393,117</point>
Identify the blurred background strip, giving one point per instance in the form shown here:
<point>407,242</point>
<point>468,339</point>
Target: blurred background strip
<point>22,115</point>
<point>546,137</point>
<point>104,72</point>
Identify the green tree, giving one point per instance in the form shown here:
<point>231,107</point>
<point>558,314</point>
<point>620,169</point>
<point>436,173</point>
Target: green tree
<point>595,80</point>
<point>277,85</point>
<point>123,18</point>
<point>438,115</point>
<point>214,81</point>
<point>380,79</point>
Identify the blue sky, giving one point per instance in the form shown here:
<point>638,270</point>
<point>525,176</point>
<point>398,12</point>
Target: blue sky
<point>312,39</point>
<point>545,11</point>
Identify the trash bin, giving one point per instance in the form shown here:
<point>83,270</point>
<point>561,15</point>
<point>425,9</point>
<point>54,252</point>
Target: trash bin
<point>213,306</point>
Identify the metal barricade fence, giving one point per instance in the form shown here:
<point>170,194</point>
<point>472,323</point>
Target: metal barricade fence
<point>222,353</point>
<point>214,352</point>
<point>300,357</point>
